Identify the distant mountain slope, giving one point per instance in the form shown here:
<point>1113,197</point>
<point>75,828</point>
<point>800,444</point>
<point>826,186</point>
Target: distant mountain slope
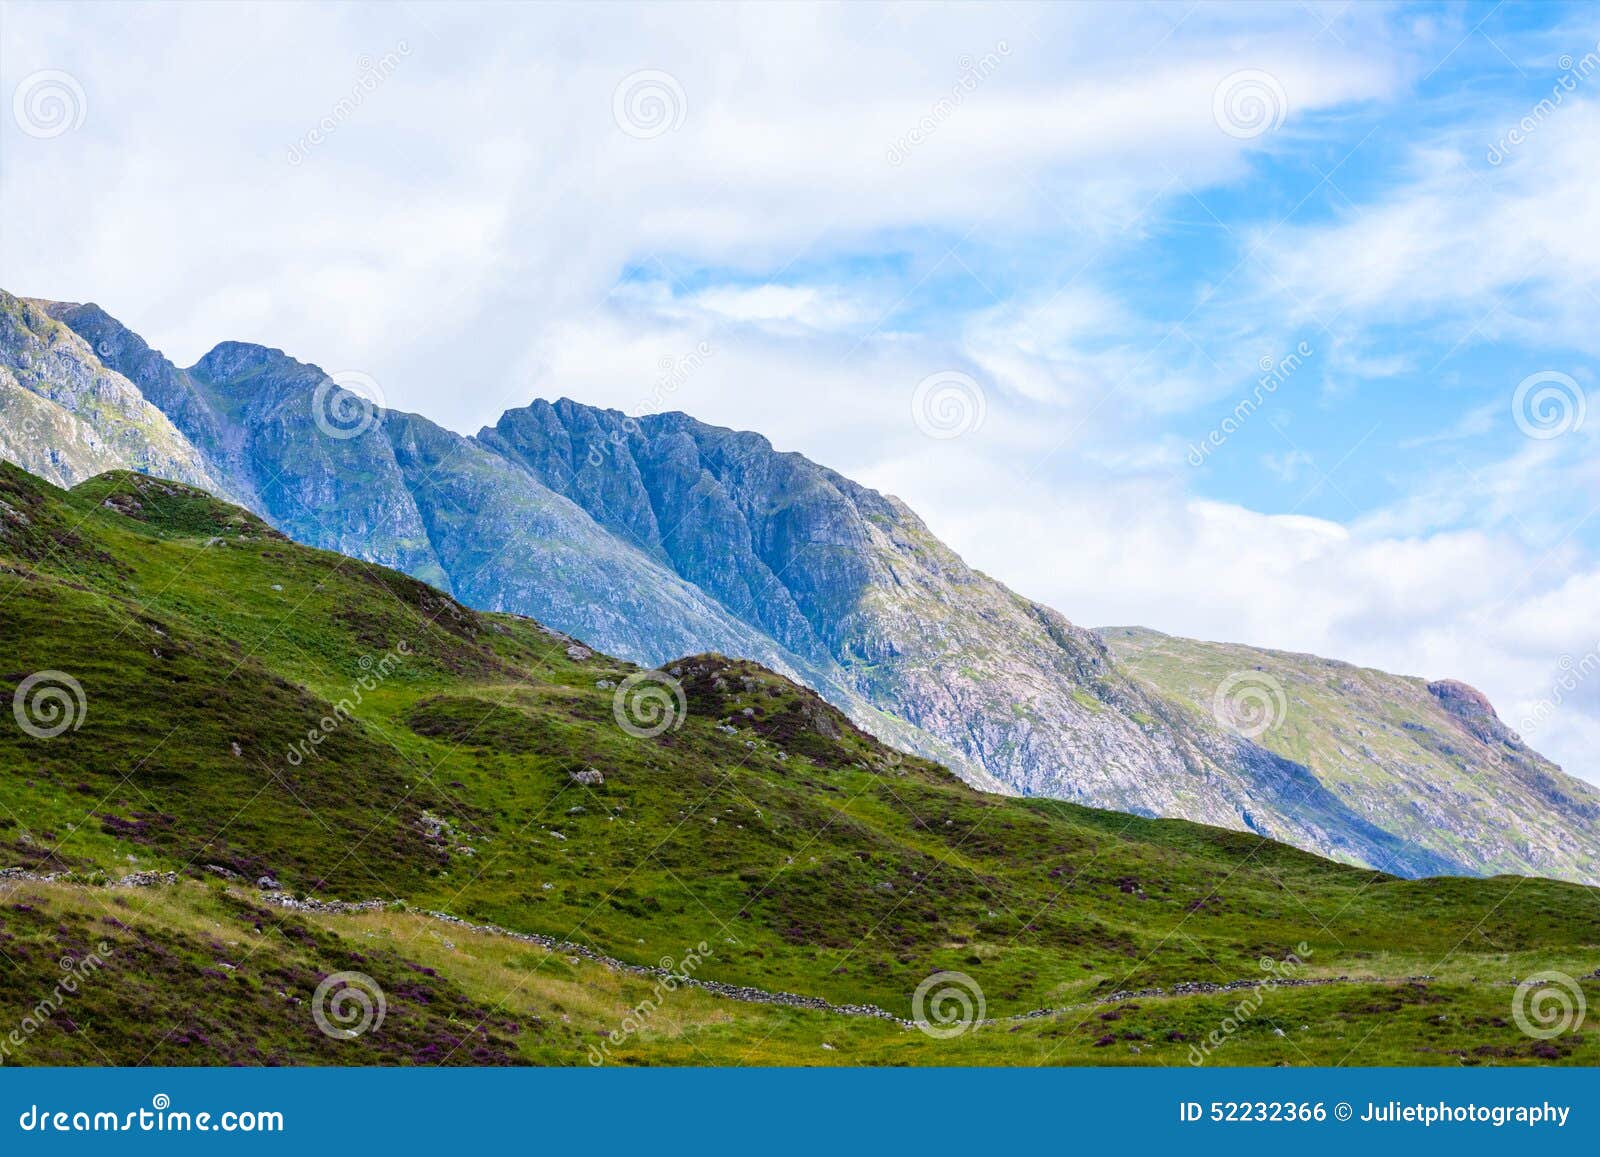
<point>65,415</point>
<point>1430,762</point>
<point>661,536</point>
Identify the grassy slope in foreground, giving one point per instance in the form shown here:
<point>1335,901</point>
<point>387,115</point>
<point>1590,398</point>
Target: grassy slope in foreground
<point>806,856</point>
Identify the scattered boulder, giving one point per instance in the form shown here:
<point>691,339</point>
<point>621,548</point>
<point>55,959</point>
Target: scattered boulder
<point>146,880</point>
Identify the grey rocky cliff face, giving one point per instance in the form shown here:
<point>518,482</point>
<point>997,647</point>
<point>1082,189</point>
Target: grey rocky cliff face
<point>65,414</point>
<point>843,573</point>
<point>662,536</point>
<point>161,383</point>
<point>456,513</point>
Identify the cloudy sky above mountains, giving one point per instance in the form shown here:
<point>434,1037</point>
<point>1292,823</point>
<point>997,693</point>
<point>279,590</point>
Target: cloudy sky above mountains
<point>1092,232</point>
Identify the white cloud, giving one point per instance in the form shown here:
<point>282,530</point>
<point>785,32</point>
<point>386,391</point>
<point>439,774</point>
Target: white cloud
<point>781,307</point>
<point>483,196</point>
<point>1480,251</point>
<point>1288,465</point>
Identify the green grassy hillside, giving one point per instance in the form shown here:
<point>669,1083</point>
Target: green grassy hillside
<point>236,709</point>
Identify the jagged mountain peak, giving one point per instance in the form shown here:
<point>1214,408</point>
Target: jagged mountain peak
<point>1475,714</point>
<point>84,314</point>
<point>66,410</point>
<point>230,362</point>
<point>1462,699</point>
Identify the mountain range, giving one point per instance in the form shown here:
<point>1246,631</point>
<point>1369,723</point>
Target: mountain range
<point>658,536</point>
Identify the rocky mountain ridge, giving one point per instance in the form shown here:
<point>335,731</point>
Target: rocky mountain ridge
<point>659,536</point>
<point>65,415</point>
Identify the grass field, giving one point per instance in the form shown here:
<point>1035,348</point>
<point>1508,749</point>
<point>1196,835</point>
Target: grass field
<point>242,708</point>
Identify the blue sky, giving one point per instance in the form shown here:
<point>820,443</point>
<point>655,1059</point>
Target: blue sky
<point>1091,225</point>
<point>1424,390</point>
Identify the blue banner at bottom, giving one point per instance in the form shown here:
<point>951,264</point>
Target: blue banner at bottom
<point>1306,1111</point>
